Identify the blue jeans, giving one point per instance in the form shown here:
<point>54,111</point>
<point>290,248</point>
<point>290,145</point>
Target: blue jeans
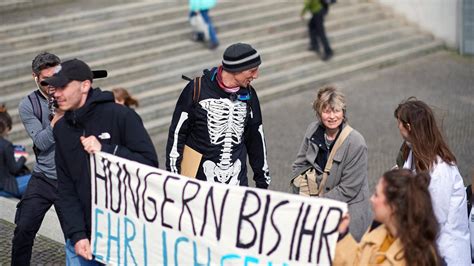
<point>76,260</point>
<point>22,182</point>
<point>212,32</point>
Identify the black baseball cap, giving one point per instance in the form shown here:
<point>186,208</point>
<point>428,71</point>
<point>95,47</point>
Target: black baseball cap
<point>70,70</point>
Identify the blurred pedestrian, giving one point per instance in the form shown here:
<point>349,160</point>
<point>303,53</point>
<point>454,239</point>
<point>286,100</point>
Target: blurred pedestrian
<point>123,97</point>
<point>319,9</point>
<point>203,28</point>
<point>425,150</point>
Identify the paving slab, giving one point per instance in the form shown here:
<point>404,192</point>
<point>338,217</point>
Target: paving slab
<point>45,250</point>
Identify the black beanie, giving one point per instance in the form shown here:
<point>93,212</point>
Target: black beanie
<point>239,57</point>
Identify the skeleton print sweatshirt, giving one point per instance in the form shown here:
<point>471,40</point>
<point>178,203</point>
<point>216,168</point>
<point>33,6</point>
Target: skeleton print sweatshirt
<point>224,128</point>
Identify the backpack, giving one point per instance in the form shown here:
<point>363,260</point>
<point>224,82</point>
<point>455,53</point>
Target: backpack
<point>36,104</point>
<point>37,111</point>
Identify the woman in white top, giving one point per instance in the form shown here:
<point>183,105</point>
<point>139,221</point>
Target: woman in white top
<point>425,150</point>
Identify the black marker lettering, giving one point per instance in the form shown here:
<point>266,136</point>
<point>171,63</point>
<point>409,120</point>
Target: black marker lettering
<point>185,201</point>
<point>243,217</point>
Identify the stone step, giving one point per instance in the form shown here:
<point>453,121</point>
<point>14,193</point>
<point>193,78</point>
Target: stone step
<point>110,49</point>
<point>301,43</point>
<point>161,124</point>
<point>148,49</point>
<point>177,27</point>
<point>171,18</point>
<point>150,96</point>
<point>275,71</point>
<point>65,20</point>
<point>153,100</point>
<point>24,82</point>
<point>273,79</point>
<point>336,36</point>
<point>15,5</point>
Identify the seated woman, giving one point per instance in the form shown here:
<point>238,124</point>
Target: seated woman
<point>347,180</point>
<point>10,183</point>
<point>408,230</point>
<point>122,97</point>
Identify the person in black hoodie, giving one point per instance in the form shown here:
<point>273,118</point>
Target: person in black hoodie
<point>92,122</point>
<point>218,118</point>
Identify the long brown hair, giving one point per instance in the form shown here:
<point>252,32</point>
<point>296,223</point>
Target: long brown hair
<point>415,221</point>
<point>425,136</point>
<point>123,95</point>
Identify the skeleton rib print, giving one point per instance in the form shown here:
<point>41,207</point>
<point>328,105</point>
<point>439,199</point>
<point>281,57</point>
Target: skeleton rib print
<point>225,122</point>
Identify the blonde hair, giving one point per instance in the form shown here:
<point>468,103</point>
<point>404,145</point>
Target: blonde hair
<point>329,96</point>
<point>122,94</point>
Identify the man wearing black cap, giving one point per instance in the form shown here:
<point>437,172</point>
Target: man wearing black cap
<point>217,118</point>
<point>92,122</point>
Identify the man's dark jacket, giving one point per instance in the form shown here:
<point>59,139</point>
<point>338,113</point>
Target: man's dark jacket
<point>120,131</point>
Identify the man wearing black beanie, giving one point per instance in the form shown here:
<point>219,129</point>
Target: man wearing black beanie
<point>217,122</point>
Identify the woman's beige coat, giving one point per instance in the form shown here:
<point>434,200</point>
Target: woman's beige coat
<point>349,252</point>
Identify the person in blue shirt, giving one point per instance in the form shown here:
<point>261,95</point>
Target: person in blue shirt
<point>201,8</point>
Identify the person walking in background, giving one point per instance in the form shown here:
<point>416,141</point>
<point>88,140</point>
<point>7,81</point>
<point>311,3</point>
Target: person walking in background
<point>122,97</point>
<point>202,23</point>
<point>347,180</point>
<point>218,119</point>
<point>92,122</point>
<point>319,9</point>
<point>407,234</point>
<point>424,150</point>
<point>36,114</point>
<point>11,183</point>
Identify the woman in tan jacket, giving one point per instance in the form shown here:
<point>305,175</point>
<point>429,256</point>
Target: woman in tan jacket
<point>408,230</point>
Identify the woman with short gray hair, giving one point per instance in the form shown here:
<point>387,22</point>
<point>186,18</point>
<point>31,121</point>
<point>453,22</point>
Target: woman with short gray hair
<point>346,173</point>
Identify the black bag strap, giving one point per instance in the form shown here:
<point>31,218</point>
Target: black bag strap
<point>37,111</point>
<point>197,89</point>
<point>36,105</point>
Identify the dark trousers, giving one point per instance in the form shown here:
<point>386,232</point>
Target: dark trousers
<point>317,32</point>
<point>41,193</point>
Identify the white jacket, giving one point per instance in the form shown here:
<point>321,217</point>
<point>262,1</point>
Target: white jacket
<point>448,196</point>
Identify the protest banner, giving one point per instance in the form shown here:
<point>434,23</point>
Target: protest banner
<point>147,216</point>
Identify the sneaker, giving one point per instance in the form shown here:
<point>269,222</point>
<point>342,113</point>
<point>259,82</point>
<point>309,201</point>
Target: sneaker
<point>327,56</point>
<point>213,46</point>
<point>197,37</point>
